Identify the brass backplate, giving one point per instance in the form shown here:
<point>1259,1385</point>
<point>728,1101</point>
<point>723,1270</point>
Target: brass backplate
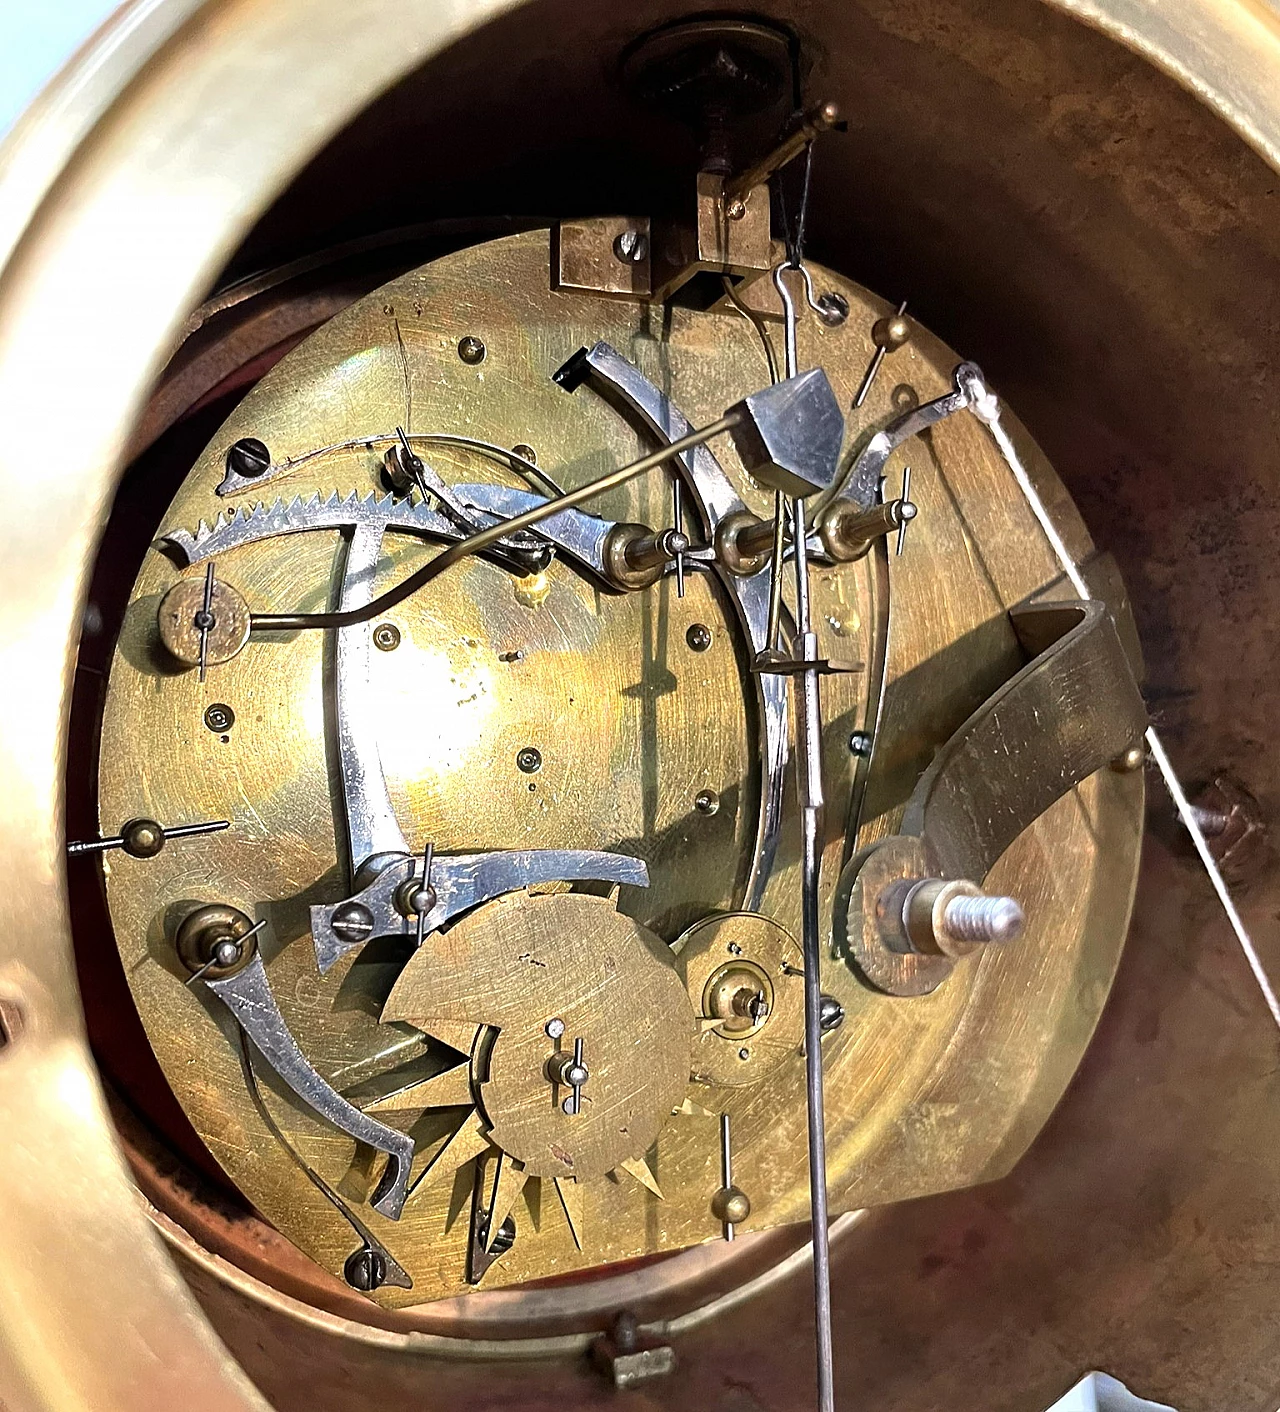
<point>632,725</point>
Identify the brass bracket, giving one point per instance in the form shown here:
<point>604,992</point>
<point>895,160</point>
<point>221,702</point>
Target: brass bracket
<point>1073,709</point>
<point>624,257</point>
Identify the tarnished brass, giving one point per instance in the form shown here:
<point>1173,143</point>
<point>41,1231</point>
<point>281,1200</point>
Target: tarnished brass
<point>1071,710</point>
<point>743,543</point>
<point>727,960</point>
<point>731,1205</point>
<point>200,932</point>
<point>623,257</point>
<point>713,240</point>
<point>84,1318</point>
<point>632,722</point>
<point>518,963</point>
<point>635,726</point>
<point>848,533</point>
<point>620,558</point>
<point>606,255</point>
<point>180,633</point>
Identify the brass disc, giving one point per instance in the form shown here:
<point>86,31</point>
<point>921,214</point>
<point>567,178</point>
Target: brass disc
<point>713,954</point>
<point>180,632</point>
<point>521,963</point>
<point>632,725</point>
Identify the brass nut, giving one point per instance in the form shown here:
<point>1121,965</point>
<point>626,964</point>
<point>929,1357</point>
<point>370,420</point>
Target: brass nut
<point>142,838</point>
<point>728,549</point>
<point>892,332</point>
<point>201,932</point>
<point>622,574</point>
<point>731,1205</point>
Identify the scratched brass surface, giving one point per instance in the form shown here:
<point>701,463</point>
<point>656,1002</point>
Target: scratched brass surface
<point>511,966</point>
<point>632,724</point>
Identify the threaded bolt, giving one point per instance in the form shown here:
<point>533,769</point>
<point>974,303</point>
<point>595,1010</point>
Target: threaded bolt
<point>984,919</point>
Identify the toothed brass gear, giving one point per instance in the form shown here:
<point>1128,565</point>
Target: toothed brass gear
<point>522,961</point>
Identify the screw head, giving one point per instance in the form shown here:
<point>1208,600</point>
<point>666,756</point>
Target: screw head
<point>631,247</point>
<point>219,717</point>
<point>525,452</point>
<point>554,1028</point>
<point>529,760</point>
<point>471,349</point>
<point>249,458</point>
<point>143,838</point>
<point>833,308</point>
<point>366,1270</point>
<point>698,637</point>
<point>386,637</point>
<point>830,1014</point>
<point>860,744</point>
<point>707,802</point>
<point>736,209</point>
<point>352,922</point>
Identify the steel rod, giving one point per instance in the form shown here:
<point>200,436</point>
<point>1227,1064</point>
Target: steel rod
<point>485,539</point>
<point>809,792</point>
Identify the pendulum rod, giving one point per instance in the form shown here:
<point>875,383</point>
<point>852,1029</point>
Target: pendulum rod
<point>986,407</point>
<point>809,789</point>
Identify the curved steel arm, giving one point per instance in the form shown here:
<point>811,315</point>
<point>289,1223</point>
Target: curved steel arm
<point>862,483</point>
<point>249,997</point>
<point>462,882</point>
<point>623,384</point>
<point>1071,710</point>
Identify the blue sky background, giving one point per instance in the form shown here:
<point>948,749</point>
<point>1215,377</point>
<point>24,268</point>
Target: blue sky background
<point>36,38</point>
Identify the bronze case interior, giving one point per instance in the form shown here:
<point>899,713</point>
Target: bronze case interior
<point>1107,248</point>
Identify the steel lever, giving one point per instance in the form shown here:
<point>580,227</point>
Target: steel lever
<point>249,997</point>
